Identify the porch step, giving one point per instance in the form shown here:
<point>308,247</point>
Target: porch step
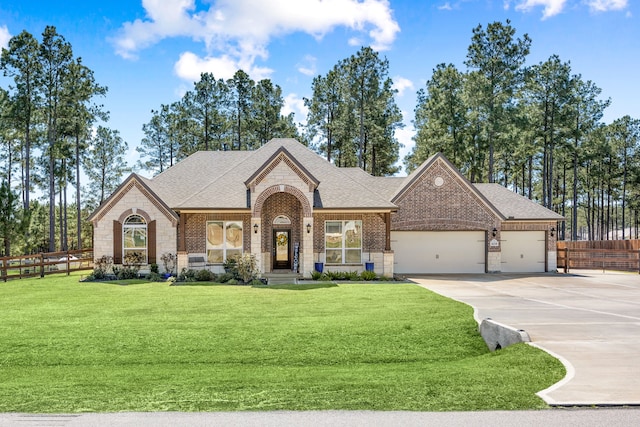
<point>285,278</point>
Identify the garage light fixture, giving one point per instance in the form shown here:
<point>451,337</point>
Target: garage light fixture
<point>553,230</point>
<point>308,228</point>
<point>494,232</point>
<point>255,228</point>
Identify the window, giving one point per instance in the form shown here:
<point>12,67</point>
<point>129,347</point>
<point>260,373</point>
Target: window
<point>134,240</point>
<point>343,242</point>
<point>224,240</point>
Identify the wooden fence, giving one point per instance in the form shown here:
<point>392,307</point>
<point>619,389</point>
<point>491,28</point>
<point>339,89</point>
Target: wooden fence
<point>621,255</point>
<point>38,265</point>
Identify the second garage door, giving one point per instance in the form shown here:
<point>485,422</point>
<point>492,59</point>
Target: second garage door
<point>523,251</point>
<point>427,252</point>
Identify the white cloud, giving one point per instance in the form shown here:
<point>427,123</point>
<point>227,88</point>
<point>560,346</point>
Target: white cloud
<point>606,5</point>
<point>190,66</point>
<point>446,6</point>
<point>551,7</point>
<point>308,66</point>
<point>239,31</point>
<point>295,104</point>
<point>5,36</point>
<point>401,84</point>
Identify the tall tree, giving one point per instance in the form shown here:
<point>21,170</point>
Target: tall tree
<point>241,91</point>
<point>496,57</point>
<point>79,114</point>
<point>10,222</point>
<point>21,61</point>
<point>549,95</point>
<point>440,119</point>
<point>324,111</point>
<point>105,163</point>
<point>56,57</point>
<point>586,112</point>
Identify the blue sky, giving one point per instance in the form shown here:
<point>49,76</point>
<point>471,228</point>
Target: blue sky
<point>149,52</point>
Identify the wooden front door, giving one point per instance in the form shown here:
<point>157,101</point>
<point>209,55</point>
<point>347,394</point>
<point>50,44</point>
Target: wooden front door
<point>282,249</point>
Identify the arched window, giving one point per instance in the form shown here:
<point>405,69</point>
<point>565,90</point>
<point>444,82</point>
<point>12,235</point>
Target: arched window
<point>134,240</point>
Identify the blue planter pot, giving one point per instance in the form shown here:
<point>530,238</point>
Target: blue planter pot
<point>368,266</point>
<point>318,266</point>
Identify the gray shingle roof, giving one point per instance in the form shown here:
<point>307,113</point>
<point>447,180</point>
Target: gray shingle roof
<point>215,179</point>
<point>515,206</point>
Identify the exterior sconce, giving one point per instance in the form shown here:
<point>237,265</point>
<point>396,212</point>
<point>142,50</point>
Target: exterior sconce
<point>308,228</point>
<point>552,231</point>
<point>255,228</point>
<point>494,232</point>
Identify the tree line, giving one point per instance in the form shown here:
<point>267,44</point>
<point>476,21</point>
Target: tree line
<point>48,115</point>
<point>536,129</point>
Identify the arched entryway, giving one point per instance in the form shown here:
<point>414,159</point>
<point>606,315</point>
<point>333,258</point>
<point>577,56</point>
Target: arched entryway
<point>284,239</point>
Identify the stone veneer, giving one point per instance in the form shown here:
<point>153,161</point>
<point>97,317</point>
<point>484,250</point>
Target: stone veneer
<point>134,201</point>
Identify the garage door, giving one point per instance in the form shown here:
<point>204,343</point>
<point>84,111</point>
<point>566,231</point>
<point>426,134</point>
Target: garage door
<point>523,251</point>
<point>438,251</point>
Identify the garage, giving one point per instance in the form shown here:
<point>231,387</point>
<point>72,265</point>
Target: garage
<point>429,252</point>
<point>523,251</point>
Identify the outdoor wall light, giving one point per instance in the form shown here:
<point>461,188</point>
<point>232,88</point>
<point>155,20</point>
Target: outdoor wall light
<point>552,231</point>
<point>255,228</point>
<point>308,228</point>
<point>494,232</point>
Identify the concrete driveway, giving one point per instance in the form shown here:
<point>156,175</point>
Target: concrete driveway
<point>589,320</point>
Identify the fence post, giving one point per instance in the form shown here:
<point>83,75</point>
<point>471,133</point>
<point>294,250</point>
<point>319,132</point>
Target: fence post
<point>566,259</point>
<point>5,261</point>
<point>41,265</point>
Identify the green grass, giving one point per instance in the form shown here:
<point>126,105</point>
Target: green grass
<point>68,346</point>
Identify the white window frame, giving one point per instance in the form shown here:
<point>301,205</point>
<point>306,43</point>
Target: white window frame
<point>343,249</point>
<point>133,227</point>
<point>225,248</point>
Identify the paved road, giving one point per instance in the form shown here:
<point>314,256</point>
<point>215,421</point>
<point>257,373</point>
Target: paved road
<point>591,320</point>
<point>547,418</point>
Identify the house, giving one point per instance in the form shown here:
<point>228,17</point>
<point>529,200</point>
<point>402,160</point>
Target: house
<point>292,209</point>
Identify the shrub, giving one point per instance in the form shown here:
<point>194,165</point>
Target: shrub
<point>257,282</point>
<point>102,267</point>
<point>368,275</point>
<point>247,267</point>
<point>187,275</point>
<point>154,268</point>
<point>128,273</point>
<point>316,275</point>
<point>225,277</point>
<point>232,282</point>
<point>169,262</point>
<point>230,265</point>
<point>155,277</point>
<point>203,276</point>
<point>352,275</point>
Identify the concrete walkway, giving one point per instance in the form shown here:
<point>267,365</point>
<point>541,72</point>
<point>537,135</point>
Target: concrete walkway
<point>589,320</point>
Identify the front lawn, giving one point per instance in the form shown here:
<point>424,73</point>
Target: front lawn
<point>69,346</point>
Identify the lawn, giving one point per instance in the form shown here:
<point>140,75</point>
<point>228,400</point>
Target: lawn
<point>69,346</point>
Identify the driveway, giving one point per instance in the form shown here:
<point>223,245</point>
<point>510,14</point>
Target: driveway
<point>589,320</point>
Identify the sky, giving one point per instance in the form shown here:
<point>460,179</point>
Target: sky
<point>149,52</point>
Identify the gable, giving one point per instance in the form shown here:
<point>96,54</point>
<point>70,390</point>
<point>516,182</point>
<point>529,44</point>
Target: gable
<point>282,168</point>
<point>135,188</point>
<point>438,197</point>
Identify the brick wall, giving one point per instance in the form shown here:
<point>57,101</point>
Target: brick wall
<point>451,206</point>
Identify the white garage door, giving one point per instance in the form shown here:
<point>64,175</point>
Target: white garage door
<point>523,251</point>
<point>438,251</point>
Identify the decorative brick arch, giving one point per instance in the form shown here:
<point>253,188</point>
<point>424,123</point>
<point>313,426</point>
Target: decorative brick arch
<point>282,188</point>
<point>130,212</point>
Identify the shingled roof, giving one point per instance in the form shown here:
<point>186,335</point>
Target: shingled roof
<point>216,180</point>
<point>514,206</point>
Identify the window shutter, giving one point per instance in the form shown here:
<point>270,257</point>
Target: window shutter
<point>151,241</point>
<point>117,242</point>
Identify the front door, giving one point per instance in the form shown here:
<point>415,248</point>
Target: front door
<point>281,249</point>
